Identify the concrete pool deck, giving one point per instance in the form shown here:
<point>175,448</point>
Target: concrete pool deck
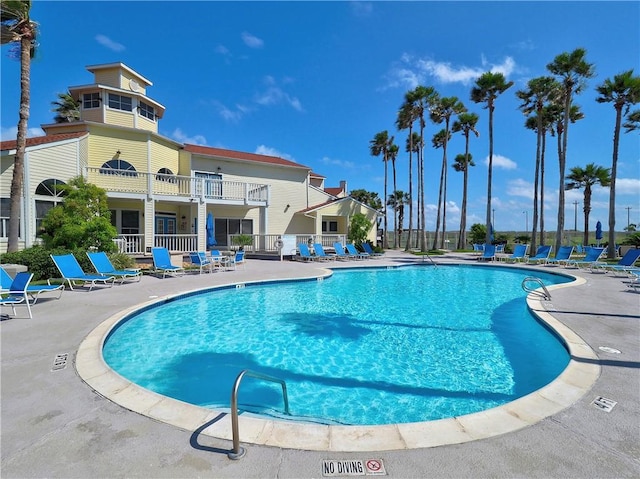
<point>55,425</point>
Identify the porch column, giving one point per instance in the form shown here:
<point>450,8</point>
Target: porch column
<point>202,226</point>
<point>149,224</point>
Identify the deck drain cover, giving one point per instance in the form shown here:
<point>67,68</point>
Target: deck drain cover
<point>607,349</point>
<point>603,403</point>
<point>60,361</point>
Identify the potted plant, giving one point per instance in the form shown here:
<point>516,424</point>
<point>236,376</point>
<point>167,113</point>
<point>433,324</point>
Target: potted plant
<point>242,240</point>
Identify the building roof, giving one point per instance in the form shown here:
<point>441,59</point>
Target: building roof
<point>333,191</point>
<point>240,155</point>
<point>337,200</point>
<point>42,140</point>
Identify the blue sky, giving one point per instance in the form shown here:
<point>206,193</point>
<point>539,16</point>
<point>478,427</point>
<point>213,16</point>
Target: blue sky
<point>313,82</point>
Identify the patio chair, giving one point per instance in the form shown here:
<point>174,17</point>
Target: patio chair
<point>218,260</point>
<point>591,256</point>
<point>488,253</point>
<point>162,263</point>
<point>320,253</point>
<point>625,265</point>
<point>103,265</point>
<point>562,256</point>
<point>478,248</point>
<point>72,273</point>
<point>541,256</point>
<point>341,254</point>
<point>351,249</point>
<point>369,250</point>
<point>235,260</point>
<point>33,290</point>
<point>304,254</point>
<point>199,259</point>
<point>519,253</point>
<point>18,292</point>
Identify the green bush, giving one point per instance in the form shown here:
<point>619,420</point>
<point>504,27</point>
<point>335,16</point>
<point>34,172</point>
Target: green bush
<point>38,261</point>
<point>121,261</point>
<point>632,240</point>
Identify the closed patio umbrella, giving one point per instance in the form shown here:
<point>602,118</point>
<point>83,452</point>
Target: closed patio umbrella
<point>211,233</point>
<point>598,232</point>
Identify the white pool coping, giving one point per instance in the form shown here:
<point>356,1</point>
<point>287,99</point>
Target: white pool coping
<point>571,385</point>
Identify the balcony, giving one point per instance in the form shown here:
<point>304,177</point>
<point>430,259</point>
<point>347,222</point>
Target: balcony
<point>177,187</point>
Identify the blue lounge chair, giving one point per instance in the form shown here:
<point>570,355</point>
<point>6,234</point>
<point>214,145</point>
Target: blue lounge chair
<point>18,292</point>
<point>541,256</point>
<point>235,260</point>
<point>488,253</point>
<point>519,253</point>
<point>72,273</point>
<point>304,253</point>
<point>591,256</point>
<point>351,249</point>
<point>162,262</point>
<point>625,265</point>
<point>199,259</point>
<point>342,254</point>
<point>478,248</point>
<point>34,290</point>
<point>562,256</point>
<point>103,265</point>
<point>369,250</point>
<point>320,253</point>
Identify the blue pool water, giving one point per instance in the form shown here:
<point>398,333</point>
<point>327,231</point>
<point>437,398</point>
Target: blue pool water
<point>360,347</point>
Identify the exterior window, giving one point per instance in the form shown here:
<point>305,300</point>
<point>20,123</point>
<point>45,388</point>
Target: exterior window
<point>119,102</point>
<point>5,206</point>
<point>91,100</point>
<point>50,188</point>
<point>147,111</point>
<point>230,226</point>
<point>165,174</point>
<point>130,222</point>
<point>329,226</point>
<point>118,167</point>
<point>212,184</point>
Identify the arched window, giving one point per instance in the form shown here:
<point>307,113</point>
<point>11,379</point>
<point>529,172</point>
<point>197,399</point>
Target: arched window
<point>165,174</point>
<point>118,167</point>
<point>50,188</point>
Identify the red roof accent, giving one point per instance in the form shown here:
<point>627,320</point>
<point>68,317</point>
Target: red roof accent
<point>240,155</point>
<point>42,140</point>
<point>316,175</point>
<point>333,191</point>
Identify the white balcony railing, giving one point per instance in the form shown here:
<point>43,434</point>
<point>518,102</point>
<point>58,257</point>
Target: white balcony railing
<point>125,181</point>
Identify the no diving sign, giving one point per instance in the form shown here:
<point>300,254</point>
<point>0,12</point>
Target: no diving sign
<point>356,467</point>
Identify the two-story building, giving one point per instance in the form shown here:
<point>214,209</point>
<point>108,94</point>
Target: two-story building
<point>165,193</point>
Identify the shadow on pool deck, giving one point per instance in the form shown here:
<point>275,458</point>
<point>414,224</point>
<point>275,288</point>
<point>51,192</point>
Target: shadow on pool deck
<point>54,425</point>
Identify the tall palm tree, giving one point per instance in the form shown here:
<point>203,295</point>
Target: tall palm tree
<point>573,70</point>
<point>17,27</point>
<point>406,117</point>
<point>489,86</point>
<point>380,146</point>
<point>632,123</point>
<point>439,140</point>
<point>466,124</point>
<point>623,91</point>
<point>67,109</point>
<point>392,154</point>
<point>540,92</point>
<point>423,99</point>
<point>443,110</point>
<point>585,178</point>
<point>396,201</point>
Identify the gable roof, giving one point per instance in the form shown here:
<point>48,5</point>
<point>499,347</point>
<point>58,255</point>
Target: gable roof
<point>333,201</point>
<point>241,155</point>
<point>333,191</point>
<point>42,140</point>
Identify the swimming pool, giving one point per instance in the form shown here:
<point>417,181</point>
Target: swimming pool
<point>454,340</point>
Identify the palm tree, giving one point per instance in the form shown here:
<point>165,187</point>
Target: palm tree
<point>406,117</point>
<point>632,122</point>
<point>573,70</point>
<point>541,91</point>
<point>487,89</point>
<point>380,146</point>
<point>392,154</point>
<point>422,98</point>
<point>623,91</point>
<point>579,178</point>
<point>466,123</point>
<point>443,110</point>
<point>396,201</point>
<point>67,108</point>
<point>17,27</point>
<point>439,140</point>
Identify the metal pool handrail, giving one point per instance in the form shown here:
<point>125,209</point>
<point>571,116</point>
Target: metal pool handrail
<point>545,294</point>
<point>237,452</point>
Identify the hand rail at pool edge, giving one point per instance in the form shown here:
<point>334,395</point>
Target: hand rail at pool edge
<point>545,295</point>
<point>237,452</point>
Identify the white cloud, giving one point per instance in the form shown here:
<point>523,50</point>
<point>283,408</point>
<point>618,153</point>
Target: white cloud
<point>269,151</point>
<point>275,95</point>
<point>11,133</point>
<point>222,50</point>
<point>520,188</point>
<point>110,44</point>
<point>182,137</point>
<point>252,41</point>
<point>410,72</point>
<point>503,162</point>
<point>629,186</point>
<point>339,163</point>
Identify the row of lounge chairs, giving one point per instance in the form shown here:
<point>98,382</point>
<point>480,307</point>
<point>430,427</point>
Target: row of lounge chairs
<point>342,253</point>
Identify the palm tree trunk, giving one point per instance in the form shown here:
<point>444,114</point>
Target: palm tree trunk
<point>542,155</point>
<point>437,231</point>
<point>462,240</point>
<point>535,190</point>
<point>385,242</point>
<point>587,210</point>
<point>611,249</point>
<point>395,210</point>
<point>408,244</point>
<point>489,177</point>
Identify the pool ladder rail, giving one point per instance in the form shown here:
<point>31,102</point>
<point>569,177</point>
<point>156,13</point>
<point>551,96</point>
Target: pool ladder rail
<point>238,452</point>
<point>532,279</point>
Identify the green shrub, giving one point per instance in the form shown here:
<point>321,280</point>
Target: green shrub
<point>632,240</point>
<point>37,261</point>
<point>121,261</point>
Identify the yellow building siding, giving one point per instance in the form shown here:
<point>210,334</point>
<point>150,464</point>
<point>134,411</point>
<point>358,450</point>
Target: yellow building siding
<point>164,155</point>
<point>6,175</point>
<point>145,124</point>
<point>108,76</point>
<point>131,145</point>
<point>92,114</point>
<point>119,118</point>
